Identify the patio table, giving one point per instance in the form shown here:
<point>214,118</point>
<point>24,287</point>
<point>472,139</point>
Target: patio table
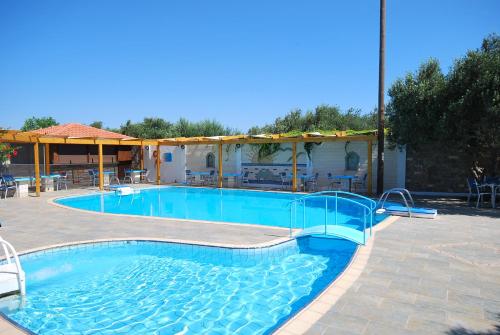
<point>343,177</point>
<point>106,176</point>
<point>135,175</point>
<point>23,183</point>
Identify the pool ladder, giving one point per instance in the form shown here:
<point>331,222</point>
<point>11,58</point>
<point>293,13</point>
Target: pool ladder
<point>403,192</point>
<point>12,277</point>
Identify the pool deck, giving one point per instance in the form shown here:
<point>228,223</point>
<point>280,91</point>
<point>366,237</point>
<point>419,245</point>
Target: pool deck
<point>420,276</point>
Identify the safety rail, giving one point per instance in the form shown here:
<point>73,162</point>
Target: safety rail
<point>402,192</point>
<point>345,196</point>
<point>12,266</point>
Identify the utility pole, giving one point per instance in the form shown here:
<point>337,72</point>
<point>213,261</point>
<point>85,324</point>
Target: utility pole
<point>381,107</point>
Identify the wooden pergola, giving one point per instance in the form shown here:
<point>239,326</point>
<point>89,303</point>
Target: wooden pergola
<point>13,136</point>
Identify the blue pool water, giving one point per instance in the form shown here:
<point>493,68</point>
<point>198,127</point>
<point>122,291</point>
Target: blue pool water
<point>236,206</point>
<point>167,288</point>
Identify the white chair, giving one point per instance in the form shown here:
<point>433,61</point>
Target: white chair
<point>61,180</point>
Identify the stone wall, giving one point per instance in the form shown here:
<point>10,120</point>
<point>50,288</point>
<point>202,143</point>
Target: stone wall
<point>437,169</point>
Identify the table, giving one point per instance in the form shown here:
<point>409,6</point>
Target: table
<point>343,177</point>
<point>107,175</point>
<point>23,183</point>
<point>135,175</point>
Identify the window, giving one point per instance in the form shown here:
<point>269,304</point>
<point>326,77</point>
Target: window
<point>210,160</point>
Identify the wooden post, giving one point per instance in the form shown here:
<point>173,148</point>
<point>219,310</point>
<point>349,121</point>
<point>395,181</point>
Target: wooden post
<point>101,169</point>
<point>142,158</point>
<point>37,169</point>
<point>369,171</point>
<point>220,166</point>
<point>47,159</point>
<point>294,167</point>
<point>158,161</point>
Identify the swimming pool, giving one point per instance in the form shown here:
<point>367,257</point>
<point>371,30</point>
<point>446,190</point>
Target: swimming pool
<point>221,205</point>
<point>145,287</point>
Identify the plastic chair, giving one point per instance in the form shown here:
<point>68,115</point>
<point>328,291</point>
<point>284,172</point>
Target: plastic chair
<point>7,182</point>
<point>476,190</point>
<point>334,184</point>
<point>244,178</point>
<point>359,182</point>
<point>312,183</point>
<point>128,176</point>
<point>93,176</point>
<point>189,177</point>
<point>62,180</point>
<point>285,181</point>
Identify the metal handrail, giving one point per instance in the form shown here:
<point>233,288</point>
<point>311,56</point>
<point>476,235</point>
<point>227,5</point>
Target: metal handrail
<point>10,252</point>
<point>367,210</point>
<point>401,192</point>
<point>336,193</point>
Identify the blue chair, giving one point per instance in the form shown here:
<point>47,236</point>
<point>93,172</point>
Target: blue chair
<point>7,182</point>
<point>477,190</point>
<point>244,178</point>
<point>285,181</point>
<point>359,183</point>
<point>128,176</point>
<point>334,183</point>
<point>312,183</point>
<point>93,174</point>
<point>189,177</point>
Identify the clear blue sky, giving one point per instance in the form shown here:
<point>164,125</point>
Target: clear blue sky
<point>240,62</point>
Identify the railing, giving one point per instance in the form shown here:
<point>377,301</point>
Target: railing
<point>402,192</point>
<point>367,208</point>
<point>11,257</point>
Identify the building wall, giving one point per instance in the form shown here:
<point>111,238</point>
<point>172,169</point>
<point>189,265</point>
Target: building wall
<point>328,157</point>
<point>170,172</point>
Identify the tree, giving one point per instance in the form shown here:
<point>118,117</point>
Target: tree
<point>34,123</point>
<point>324,118</point>
<point>416,110</point>
<point>96,124</point>
<point>460,110</point>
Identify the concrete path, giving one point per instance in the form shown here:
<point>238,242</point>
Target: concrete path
<point>423,276</point>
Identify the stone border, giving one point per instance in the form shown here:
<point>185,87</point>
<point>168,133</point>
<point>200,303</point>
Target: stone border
<point>312,312</point>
